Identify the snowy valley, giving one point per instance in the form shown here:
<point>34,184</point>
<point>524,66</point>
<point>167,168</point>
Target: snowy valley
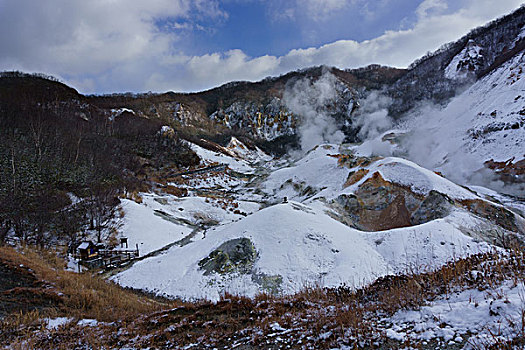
<point>334,209</point>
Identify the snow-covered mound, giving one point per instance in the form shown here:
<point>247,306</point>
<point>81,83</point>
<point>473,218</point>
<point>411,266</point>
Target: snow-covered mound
<point>326,173</point>
<point>420,180</point>
<point>349,220</point>
<point>373,193</point>
<point>285,248</point>
<point>317,171</point>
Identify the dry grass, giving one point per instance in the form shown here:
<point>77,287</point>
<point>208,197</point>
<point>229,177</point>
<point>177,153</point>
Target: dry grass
<point>315,318</point>
<point>83,295</point>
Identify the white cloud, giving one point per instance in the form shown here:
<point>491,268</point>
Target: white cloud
<point>104,46</point>
<point>321,9</point>
<point>431,6</point>
<point>395,48</point>
<point>317,10</point>
<point>83,36</point>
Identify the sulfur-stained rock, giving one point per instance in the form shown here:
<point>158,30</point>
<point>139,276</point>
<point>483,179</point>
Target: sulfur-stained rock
<point>351,161</point>
<point>395,215</point>
<point>376,194</point>
<point>355,176</point>
<point>236,255</point>
<point>382,205</point>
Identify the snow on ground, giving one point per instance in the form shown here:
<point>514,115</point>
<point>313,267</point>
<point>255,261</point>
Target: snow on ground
<point>241,151</point>
<point>161,220</point>
<point>208,156</point>
<point>87,322</point>
<point>322,172</point>
<point>471,317</point>
<point>196,209</point>
<point>218,180</point>
<point>517,204</point>
<point>424,247</point>
<point>299,243</point>
<point>73,265</point>
<point>470,54</point>
<point>55,323</point>
<point>304,246</point>
<point>116,112</point>
<point>149,231</point>
<point>316,169</point>
<point>420,180</point>
<point>484,122</point>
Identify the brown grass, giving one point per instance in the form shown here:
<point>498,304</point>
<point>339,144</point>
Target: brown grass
<point>342,315</point>
<point>84,295</point>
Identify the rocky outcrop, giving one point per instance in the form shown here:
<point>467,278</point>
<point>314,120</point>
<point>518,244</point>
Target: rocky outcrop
<point>354,177</point>
<point>469,61</point>
<point>236,255</point>
<point>239,256</point>
<point>378,204</point>
<point>435,206</point>
<point>496,214</point>
<point>509,171</point>
<point>264,121</point>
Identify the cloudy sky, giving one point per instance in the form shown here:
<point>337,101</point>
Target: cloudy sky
<point>101,46</point>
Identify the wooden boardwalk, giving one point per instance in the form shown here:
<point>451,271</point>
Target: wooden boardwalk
<point>109,259</point>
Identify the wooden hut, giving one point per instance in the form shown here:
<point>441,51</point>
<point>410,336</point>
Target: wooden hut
<point>87,250</point>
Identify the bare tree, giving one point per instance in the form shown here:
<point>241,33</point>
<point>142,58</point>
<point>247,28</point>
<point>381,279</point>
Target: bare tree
<point>102,209</point>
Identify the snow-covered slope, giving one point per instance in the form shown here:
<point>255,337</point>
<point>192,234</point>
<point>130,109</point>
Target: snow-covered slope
<point>161,220</point>
<point>344,215</point>
<point>317,171</point>
<point>149,231</point>
<point>297,246</point>
<point>241,151</point>
<point>286,247</point>
<point>487,121</point>
<point>211,157</point>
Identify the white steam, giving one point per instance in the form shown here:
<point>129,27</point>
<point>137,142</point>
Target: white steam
<point>432,137</point>
<point>373,121</point>
<point>437,140</point>
<point>373,118</point>
<point>310,101</point>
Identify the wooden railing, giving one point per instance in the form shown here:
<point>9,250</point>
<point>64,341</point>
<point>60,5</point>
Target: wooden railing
<point>109,259</point>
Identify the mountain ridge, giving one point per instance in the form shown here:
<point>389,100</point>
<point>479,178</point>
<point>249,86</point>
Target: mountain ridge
<point>325,208</point>
<point>423,80</point>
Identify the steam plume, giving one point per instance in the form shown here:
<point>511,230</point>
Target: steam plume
<point>310,101</point>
